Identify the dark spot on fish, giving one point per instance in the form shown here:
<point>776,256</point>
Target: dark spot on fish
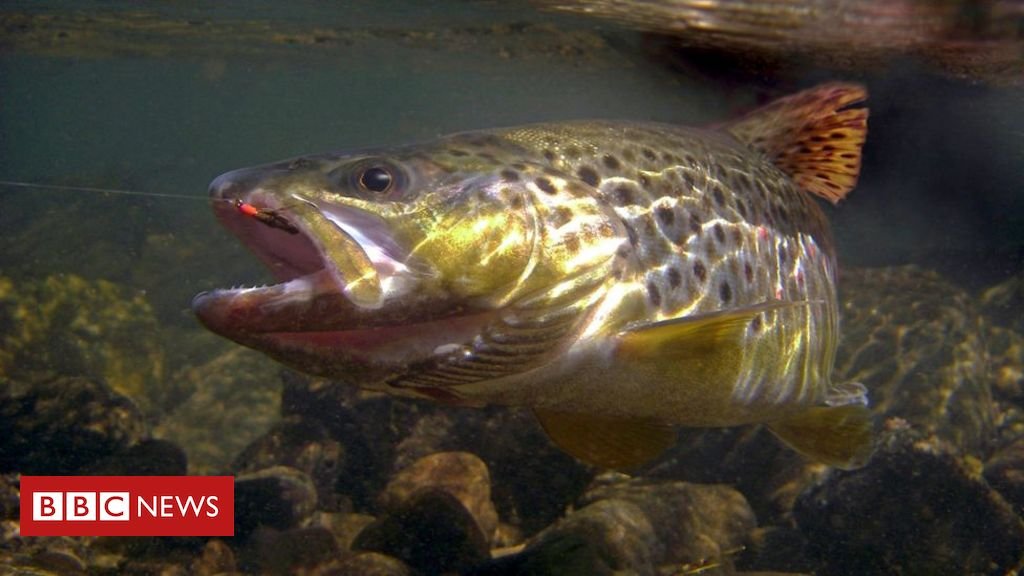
<point>748,272</point>
<point>299,163</point>
<point>510,175</point>
<point>666,215</point>
<point>572,243</point>
<point>561,216</point>
<point>549,155</point>
<point>649,230</point>
<point>719,233</point>
<point>699,270</point>
<point>572,152</point>
<point>823,176</point>
<point>588,175</point>
<point>783,255</point>
<point>623,195</point>
<point>695,224</point>
<point>805,150</point>
<point>688,180</point>
<point>486,156</point>
<point>516,202</point>
<point>611,162</point>
<point>674,277</point>
<point>649,154</point>
<point>755,324</point>
<point>725,292</point>
<point>545,185</point>
<point>458,153</point>
<point>837,135</point>
<point>628,155</point>
<point>653,293</point>
<point>828,148</point>
<point>741,207</point>
<point>718,195</point>
<point>783,213</point>
<point>848,155</point>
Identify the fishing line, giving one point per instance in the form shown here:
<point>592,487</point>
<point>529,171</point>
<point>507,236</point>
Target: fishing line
<point>16,184</point>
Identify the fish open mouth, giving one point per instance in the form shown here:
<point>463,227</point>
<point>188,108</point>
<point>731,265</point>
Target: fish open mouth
<point>334,265</point>
<point>346,294</point>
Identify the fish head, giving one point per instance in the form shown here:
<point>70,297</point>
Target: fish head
<point>389,261</point>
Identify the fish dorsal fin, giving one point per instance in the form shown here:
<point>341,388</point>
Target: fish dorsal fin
<point>813,136</point>
<point>839,436</point>
<point>608,442</point>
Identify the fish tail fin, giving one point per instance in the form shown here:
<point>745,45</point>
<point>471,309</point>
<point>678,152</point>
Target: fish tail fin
<point>814,136</point>
<point>840,436</point>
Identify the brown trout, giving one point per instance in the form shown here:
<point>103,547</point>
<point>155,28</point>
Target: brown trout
<point>619,278</point>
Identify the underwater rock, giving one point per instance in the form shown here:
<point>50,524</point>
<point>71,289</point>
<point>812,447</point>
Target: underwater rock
<point>236,398</point>
<point>68,326</point>
<point>288,552</point>
<point>918,508</point>
<point>304,446</point>
<point>216,558</point>
<point>1003,303</point>
<point>694,521</point>
<point>278,498</point>
<point>60,425</point>
<point>460,474</point>
<point>383,435</point>
<point>431,531</point>
<point>637,526</point>
<point>147,458</point>
<point>43,555</point>
<point>366,564</point>
<point>1006,365</point>
<point>1004,471</point>
<point>915,341</point>
<point>344,526</point>
<point>367,426</point>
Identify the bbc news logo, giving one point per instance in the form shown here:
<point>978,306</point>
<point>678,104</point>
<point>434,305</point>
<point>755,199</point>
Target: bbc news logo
<point>127,506</point>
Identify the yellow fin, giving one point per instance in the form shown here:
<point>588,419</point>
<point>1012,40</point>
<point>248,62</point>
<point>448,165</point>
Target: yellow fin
<point>839,436</point>
<point>694,336</point>
<point>812,136</point>
<point>617,443</point>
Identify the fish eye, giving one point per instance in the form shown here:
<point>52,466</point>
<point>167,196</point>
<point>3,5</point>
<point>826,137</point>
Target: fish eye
<point>376,179</point>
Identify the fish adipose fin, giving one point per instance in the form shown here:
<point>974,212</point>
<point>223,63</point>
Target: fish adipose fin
<point>814,136</point>
<point>607,442</point>
<point>839,436</point>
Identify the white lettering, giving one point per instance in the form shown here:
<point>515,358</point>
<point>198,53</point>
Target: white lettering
<point>190,504</point>
<point>48,506</point>
<point>80,505</point>
<point>114,506</point>
<point>213,511</point>
<point>149,506</point>
<point>167,506</point>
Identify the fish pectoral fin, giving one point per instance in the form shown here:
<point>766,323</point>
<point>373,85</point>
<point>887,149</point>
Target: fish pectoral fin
<point>607,442</point>
<point>840,436</point>
<point>685,338</point>
<point>814,136</point>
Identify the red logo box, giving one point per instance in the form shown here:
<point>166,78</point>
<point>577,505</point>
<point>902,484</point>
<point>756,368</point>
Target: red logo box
<point>127,506</point>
